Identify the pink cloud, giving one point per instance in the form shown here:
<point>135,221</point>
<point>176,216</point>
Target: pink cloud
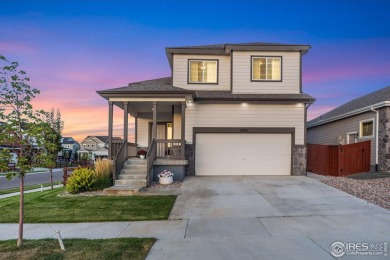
<point>14,47</point>
<point>351,70</point>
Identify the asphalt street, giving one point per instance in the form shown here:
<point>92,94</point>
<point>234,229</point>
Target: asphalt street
<point>31,179</point>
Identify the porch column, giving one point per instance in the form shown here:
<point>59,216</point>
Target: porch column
<point>154,127</point>
<point>110,119</point>
<point>136,130</point>
<point>126,124</point>
<point>183,128</point>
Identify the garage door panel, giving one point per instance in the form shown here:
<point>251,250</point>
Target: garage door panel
<point>243,154</point>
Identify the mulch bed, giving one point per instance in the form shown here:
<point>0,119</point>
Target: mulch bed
<point>174,185</point>
<point>153,186</point>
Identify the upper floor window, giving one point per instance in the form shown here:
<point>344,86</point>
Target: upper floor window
<point>266,68</point>
<point>367,128</point>
<point>203,71</point>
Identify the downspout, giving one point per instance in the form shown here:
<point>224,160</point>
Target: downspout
<point>376,139</point>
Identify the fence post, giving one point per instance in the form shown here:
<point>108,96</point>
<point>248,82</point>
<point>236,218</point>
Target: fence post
<point>65,176</point>
<point>341,160</point>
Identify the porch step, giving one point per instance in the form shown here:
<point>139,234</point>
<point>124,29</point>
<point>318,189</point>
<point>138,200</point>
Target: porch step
<point>132,176</point>
<point>131,180</point>
<point>136,161</point>
<point>122,190</point>
<point>131,172</point>
<point>127,182</point>
<point>135,167</point>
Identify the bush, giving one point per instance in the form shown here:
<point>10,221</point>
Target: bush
<point>103,174</point>
<point>82,179</point>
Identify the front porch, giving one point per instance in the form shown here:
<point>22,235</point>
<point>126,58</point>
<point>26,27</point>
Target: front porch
<point>159,129</point>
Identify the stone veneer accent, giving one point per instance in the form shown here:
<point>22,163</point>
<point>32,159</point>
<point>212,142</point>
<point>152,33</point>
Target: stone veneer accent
<point>298,168</point>
<point>299,160</point>
<point>384,139</point>
<point>190,157</point>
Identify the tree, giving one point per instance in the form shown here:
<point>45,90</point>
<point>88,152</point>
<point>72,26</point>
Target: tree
<point>21,127</point>
<point>51,129</point>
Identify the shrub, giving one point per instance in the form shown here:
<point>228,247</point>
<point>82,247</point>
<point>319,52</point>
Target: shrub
<point>82,179</point>
<point>103,174</point>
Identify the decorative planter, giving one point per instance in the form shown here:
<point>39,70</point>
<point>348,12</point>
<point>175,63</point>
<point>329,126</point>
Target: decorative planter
<point>166,180</point>
<point>142,156</point>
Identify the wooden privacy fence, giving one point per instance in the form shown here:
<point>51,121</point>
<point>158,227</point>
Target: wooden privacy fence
<point>339,160</point>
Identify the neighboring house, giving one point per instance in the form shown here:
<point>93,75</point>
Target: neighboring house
<point>228,109</point>
<point>69,147</point>
<point>362,119</point>
<point>95,147</point>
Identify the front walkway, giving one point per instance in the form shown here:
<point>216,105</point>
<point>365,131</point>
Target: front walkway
<point>249,217</point>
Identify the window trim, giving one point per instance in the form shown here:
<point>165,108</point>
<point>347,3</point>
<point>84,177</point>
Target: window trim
<point>202,83</point>
<point>361,125</point>
<point>351,133</point>
<point>266,80</point>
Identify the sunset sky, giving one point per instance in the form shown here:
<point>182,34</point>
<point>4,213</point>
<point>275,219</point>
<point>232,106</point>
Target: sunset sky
<point>70,49</point>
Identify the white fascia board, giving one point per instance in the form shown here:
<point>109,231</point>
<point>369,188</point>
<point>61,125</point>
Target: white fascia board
<point>352,113</point>
<point>140,99</point>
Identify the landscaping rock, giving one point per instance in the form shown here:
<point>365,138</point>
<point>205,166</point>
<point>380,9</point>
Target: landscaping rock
<point>376,191</point>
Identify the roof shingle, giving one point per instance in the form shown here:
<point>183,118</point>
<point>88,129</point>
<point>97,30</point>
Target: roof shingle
<point>164,85</point>
<point>373,98</point>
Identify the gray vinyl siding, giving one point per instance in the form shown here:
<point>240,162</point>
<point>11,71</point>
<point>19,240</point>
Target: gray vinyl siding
<point>245,115</point>
<point>329,134</point>
<point>180,72</point>
<point>242,74</point>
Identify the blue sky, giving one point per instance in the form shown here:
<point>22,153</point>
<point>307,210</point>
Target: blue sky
<point>70,49</point>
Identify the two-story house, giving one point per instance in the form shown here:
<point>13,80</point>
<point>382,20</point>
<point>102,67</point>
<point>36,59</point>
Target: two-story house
<point>227,109</point>
<point>93,147</point>
<point>69,148</point>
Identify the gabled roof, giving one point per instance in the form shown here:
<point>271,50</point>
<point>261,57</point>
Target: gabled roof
<point>95,138</point>
<point>359,105</point>
<point>104,138</point>
<point>164,86</point>
<point>68,140</point>
<point>226,48</point>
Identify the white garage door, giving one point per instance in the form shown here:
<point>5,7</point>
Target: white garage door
<point>243,154</point>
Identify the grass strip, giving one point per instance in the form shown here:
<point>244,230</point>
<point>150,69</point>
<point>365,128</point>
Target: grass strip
<point>118,248</point>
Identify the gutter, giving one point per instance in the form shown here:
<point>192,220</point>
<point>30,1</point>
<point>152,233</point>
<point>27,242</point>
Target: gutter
<point>376,138</point>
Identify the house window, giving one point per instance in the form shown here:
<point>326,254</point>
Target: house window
<point>203,71</point>
<point>367,128</point>
<point>266,68</point>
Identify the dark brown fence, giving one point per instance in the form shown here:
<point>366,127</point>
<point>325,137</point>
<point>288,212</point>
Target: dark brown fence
<point>339,160</point>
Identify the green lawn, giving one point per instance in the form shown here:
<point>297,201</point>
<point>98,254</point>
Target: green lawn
<point>118,248</point>
<point>31,187</point>
<point>47,207</point>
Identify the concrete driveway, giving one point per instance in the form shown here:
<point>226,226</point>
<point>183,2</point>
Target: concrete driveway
<point>267,217</point>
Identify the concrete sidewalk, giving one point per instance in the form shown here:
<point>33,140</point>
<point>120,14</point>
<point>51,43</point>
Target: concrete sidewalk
<point>170,230</point>
<point>3,196</point>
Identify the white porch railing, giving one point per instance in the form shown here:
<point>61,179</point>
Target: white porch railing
<point>169,149</point>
